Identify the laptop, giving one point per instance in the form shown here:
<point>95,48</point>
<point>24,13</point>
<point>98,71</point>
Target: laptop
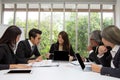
<point>84,67</point>
<point>61,56</point>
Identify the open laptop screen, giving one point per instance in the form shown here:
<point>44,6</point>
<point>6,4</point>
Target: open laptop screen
<point>61,56</point>
<point>80,61</point>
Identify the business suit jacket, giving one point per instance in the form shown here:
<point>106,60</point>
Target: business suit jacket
<point>106,61</point>
<point>55,47</point>
<point>7,56</point>
<point>93,56</point>
<point>24,51</point>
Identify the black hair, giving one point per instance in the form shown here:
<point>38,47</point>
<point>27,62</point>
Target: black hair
<point>66,44</point>
<point>10,35</point>
<point>33,33</point>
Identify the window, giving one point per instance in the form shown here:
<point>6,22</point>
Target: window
<point>21,15</point>
<point>70,20</point>
<point>78,20</point>
<point>45,26</point>
<point>95,17</point>
<point>58,24</point>
<point>108,16</point>
<point>8,14</point>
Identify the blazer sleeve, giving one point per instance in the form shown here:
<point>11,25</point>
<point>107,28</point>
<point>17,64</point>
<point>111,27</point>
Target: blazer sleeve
<point>3,66</point>
<point>51,51</point>
<point>93,56</point>
<point>20,53</point>
<point>37,53</point>
<point>114,72</point>
<point>52,48</point>
<point>72,53</point>
<point>106,59</point>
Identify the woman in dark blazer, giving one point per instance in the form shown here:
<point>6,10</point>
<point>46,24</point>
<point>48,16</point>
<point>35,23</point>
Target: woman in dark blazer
<point>111,63</point>
<point>62,44</point>
<point>7,46</point>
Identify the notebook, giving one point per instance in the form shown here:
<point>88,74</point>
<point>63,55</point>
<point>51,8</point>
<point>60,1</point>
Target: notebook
<point>81,63</point>
<point>61,56</point>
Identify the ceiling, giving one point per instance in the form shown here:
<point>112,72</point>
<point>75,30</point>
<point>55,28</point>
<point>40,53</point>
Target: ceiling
<point>60,1</point>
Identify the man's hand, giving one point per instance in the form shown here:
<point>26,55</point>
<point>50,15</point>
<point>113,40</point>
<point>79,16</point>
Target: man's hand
<point>38,59</point>
<point>89,48</point>
<point>31,61</point>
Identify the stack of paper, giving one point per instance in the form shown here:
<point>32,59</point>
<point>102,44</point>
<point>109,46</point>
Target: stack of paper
<point>45,63</point>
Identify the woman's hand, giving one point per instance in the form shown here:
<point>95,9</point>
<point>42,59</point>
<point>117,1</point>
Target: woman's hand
<point>96,68</point>
<point>19,66</point>
<point>70,58</point>
<point>47,55</point>
<point>102,50</point>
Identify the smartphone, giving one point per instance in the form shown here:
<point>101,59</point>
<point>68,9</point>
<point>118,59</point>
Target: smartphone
<point>19,71</point>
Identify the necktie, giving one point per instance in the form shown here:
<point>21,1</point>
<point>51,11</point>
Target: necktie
<point>33,47</point>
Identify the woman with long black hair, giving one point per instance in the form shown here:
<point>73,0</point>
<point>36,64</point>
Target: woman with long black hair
<point>62,44</point>
<point>7,46</point>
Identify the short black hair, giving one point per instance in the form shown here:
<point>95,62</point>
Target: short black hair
<point>33,33</point>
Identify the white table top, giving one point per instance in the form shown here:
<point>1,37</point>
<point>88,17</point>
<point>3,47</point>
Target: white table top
<point>65,71</point>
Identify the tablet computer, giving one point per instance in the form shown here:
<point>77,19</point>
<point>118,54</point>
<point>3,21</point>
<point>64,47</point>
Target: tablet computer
<point>19,71</point>
<point>83,66</point>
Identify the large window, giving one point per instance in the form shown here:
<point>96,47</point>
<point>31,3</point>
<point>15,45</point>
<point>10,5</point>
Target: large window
<point>45,26</point>
<point>58,24</point>
<point>95,17</point>
<point>70,20</point>
<point>8,14</point>
<point>108,16</point>
<point>78,20</point>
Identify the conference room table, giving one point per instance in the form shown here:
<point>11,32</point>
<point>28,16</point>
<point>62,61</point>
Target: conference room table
<point>65,71</point>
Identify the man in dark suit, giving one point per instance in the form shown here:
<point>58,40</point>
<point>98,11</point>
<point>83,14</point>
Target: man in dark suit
<point>95,42</point>
<point>27,50</point>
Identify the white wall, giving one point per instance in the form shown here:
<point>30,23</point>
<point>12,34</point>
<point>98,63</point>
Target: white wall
<point>118,13</point>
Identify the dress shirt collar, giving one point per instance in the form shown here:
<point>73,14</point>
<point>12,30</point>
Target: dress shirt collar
<point>31,44</point>
<point>114,50</point>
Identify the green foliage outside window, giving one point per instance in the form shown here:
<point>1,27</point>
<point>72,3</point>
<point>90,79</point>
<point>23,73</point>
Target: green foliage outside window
<point>70,29</point>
